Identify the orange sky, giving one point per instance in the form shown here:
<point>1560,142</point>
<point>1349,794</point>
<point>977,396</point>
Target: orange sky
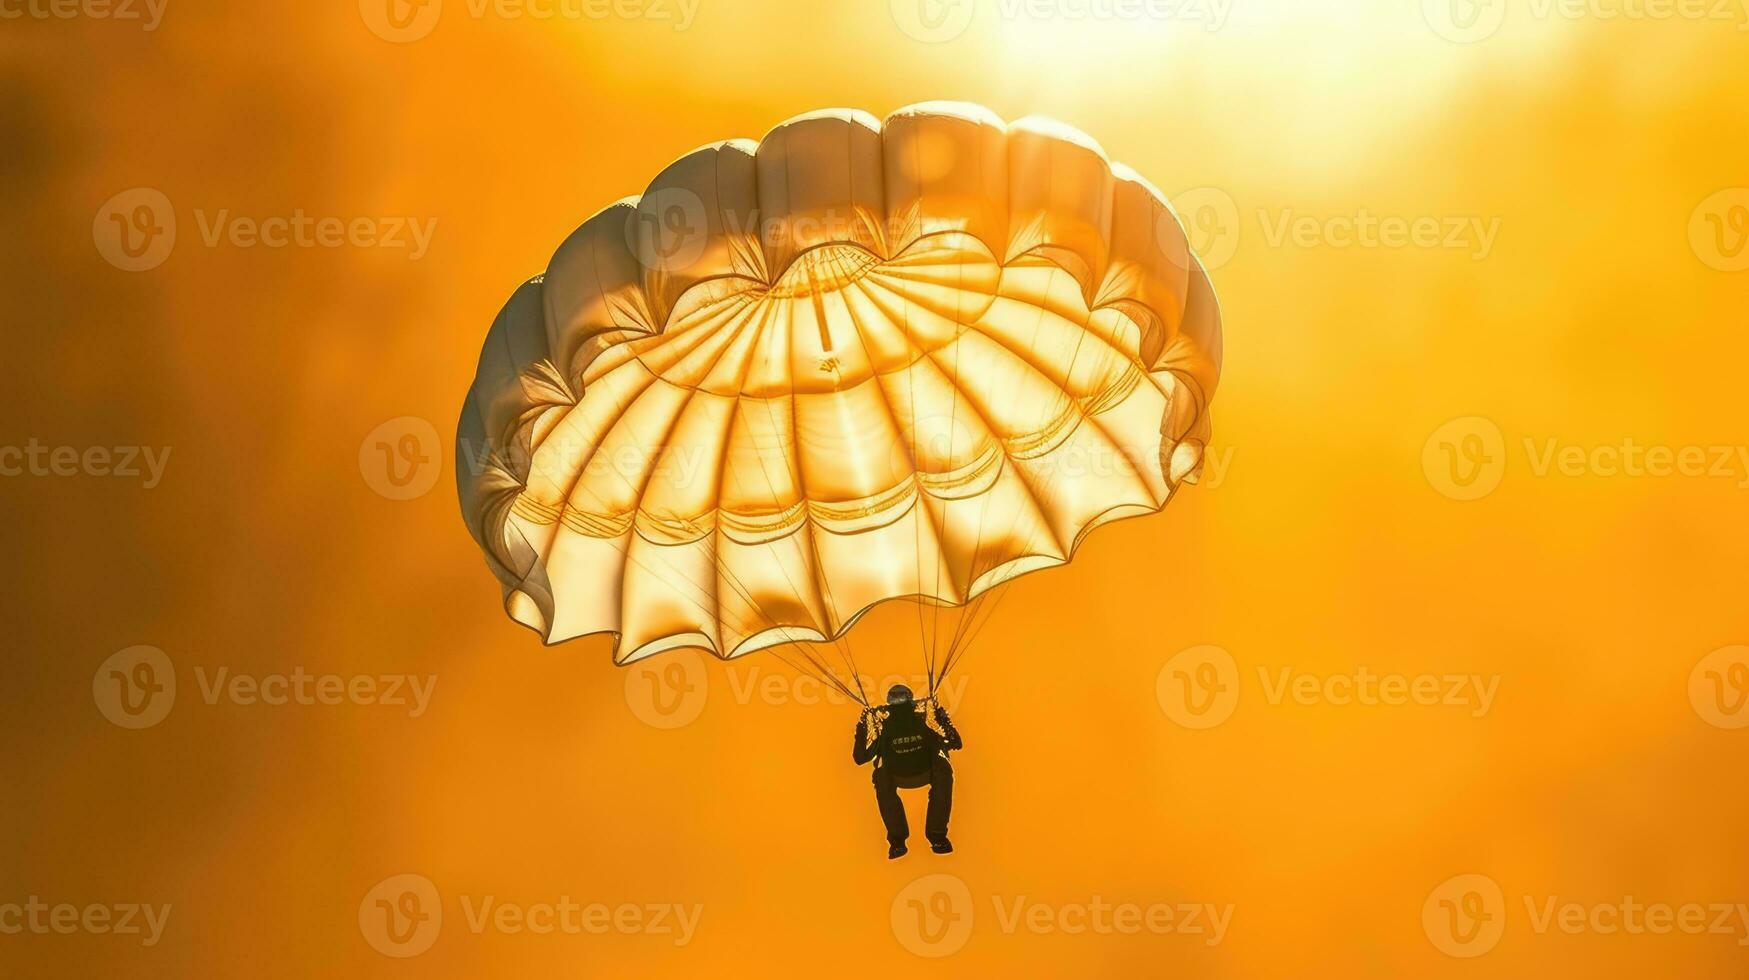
<point>1563,728</point>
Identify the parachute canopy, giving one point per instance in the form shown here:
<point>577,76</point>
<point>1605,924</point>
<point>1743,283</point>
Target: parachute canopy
<point>851,362</point>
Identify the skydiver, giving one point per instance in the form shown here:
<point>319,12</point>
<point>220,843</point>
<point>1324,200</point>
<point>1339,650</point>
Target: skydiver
<point>909,753</point>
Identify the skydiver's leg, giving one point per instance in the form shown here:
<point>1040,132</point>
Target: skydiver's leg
<point>940,801</point>
<point>892,808</point>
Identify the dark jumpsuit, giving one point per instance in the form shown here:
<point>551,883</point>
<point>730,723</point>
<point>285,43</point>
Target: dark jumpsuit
<point>910,754</point>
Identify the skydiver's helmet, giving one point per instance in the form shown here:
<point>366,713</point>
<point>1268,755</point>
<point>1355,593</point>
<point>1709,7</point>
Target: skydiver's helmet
<point>902,706</point>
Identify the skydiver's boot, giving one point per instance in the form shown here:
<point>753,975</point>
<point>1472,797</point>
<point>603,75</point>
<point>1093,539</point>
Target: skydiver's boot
<point>895,851</point>
<point>941,845</point>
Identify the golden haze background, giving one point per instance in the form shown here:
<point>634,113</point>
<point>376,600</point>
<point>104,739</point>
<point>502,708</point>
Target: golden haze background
<point>1323,547</point>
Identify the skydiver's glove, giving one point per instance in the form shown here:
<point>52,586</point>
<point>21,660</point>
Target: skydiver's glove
<point>868,727</point>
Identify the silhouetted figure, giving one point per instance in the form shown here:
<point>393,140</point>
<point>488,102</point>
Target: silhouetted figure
<point>908,754</point>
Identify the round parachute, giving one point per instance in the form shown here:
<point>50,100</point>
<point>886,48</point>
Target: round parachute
<point>852,362</point>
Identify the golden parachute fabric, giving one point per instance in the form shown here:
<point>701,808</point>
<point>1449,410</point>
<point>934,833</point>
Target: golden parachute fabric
<point>855,361</point>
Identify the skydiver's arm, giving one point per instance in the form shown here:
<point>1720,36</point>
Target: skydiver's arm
<point>861,752</point>
<point>950,735</point>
